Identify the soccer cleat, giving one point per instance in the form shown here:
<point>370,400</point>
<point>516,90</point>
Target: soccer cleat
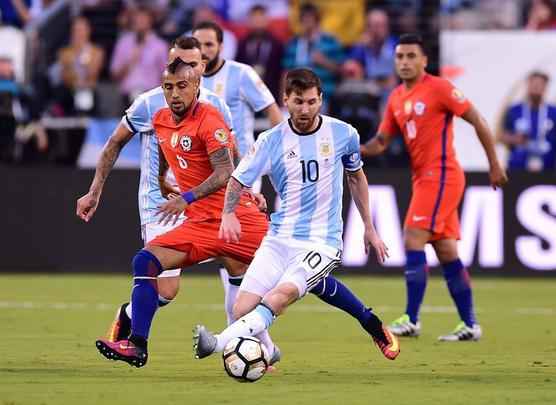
<point>462,332</point>
<point>388,344</point>
<point>123,350</point>
<point>204,342</point>
<point>275,358</point>
<point>404,327</point>
<point>121,326</point>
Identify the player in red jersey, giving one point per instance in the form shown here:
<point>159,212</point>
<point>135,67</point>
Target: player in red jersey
<point>422,110</point>
<point>196,144</point>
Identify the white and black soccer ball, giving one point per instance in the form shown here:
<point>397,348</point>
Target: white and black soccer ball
<point>245,359</point>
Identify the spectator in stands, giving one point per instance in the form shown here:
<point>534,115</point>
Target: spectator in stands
<point>229,43</point>
<point>376,53</point>
<point>315,49</point>
<point>542,15</point>
<point>80,64</point>
<point>15,12</point>
<point>530,128</point>
<point>18,115</point>
<point>261,50</point>
<point>139,56</point>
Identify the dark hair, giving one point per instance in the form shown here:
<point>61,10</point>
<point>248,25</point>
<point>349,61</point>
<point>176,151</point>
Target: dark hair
<point>209,25</point>
<point>299,80</point>
<point>186,43</point>
<point>412,39</point>
<point>539,74</point>
<point>309,8</point>
<point>257,8</point>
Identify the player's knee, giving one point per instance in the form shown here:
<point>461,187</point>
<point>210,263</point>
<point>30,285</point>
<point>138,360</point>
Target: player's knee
<point>281,297</point>
<point>234,267</point>
<point>241,308</point>
<point>168,287</point>
<point>146,264</point>
<point>415,239</point>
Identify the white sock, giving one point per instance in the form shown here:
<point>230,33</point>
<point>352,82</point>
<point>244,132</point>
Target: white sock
<point>128,310</point>
<point>230,293</point>
<point>265,339</point>
<point>251,324</point>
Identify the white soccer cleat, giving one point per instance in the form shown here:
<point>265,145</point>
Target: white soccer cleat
<point>404,327</point>
<point>462,332</point>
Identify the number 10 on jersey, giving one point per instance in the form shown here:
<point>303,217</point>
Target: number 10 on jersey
<point>309,170</point>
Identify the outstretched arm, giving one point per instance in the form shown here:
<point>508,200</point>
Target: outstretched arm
<point>359,189</point>
<point>497,174</point>
<point>87,205</point>
<point>376,146</point>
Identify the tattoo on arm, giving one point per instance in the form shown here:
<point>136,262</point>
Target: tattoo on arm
<point>222,166</point>
<point>106,162</point>
<point>233,195</point>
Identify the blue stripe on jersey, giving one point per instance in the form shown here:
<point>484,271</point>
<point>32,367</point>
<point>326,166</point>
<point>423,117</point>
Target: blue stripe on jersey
<point>335,222</point>
<point>279,178</point>
<point>308,203</point>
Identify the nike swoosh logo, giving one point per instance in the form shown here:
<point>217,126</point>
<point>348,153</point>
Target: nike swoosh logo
<point>125,347</point>
<point>418,218</point>
<point>395,344</point>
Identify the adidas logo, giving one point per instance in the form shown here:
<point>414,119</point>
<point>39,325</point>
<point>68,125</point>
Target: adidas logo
<point>292,154</point>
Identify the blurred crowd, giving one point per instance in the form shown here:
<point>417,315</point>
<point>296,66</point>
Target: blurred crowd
<point>70,62</point>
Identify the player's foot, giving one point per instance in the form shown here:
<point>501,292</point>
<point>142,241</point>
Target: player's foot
<point>404,327</point>
<point>123,350</point>
<point>275,358</point>
<point>204,342</point>
<point>121,326</point>
<point>384,339</point>
<point>463,332</point>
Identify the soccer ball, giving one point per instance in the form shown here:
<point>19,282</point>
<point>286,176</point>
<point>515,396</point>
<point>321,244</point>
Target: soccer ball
<point>245,359</point>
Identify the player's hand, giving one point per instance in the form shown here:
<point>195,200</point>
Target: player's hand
<point>168,190</point>
<point>381,250</point>
<point>230,228</point>
<point>261,202</point>
<point>498,176</point>
<point>171,210</point>
<point>86,206</point>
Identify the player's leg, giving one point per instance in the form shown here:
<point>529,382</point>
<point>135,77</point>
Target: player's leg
<point>168,287</point>
<point>459,286</point>
<point>253,317</point>
<point>231,276</point>
<point>419,222</point>
<point>335,293</point>
<point>147,264</point>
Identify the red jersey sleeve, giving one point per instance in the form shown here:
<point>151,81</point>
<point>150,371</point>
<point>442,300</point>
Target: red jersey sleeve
<point>389,126</point>
<point>452,98</point>
<point>215,133</point>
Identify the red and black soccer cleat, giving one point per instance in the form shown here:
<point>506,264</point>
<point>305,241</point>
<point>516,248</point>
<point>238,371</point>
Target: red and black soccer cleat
<point>123,350</point>
<point>388,344</point>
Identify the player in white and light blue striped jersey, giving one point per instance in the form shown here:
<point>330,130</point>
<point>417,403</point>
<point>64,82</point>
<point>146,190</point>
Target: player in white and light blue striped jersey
<point>237,83</point>
<point>306,158</point>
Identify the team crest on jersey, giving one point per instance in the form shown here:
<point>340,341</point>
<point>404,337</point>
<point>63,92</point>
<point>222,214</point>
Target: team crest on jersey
<point>419,108</point>
<point>219,89</point>
<point>185,143</point>
<point>458,95</point>
<point>325,149</point>
<point>407,107</point>
<point>174,139</point>
<point>221,136</point>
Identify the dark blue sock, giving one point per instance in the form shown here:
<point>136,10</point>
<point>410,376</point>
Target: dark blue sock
<point>334,293</point>
<point>459,286</point>
<point>416,282</point>
<point>144,295</point>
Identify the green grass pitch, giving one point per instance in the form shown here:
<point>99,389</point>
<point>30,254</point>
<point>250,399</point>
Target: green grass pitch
<point>49,324</point>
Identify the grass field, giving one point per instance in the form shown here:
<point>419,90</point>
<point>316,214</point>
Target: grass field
<point>49,324</point>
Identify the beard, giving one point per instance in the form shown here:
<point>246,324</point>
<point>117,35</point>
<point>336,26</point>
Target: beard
<point>211,64</point>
